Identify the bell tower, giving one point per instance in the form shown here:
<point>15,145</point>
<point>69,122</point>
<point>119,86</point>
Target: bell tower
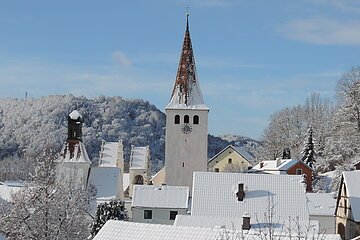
<point>186,122</point>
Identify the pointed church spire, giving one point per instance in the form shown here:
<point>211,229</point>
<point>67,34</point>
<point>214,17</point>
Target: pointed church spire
<point>186,92</point>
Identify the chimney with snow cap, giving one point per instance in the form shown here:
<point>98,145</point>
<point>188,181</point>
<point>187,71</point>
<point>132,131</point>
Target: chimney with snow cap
<point>246,221</point>
<point>241,193</point>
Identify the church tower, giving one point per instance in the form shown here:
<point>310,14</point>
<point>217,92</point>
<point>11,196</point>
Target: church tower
<point>74,160</point>
<point>186,122</point>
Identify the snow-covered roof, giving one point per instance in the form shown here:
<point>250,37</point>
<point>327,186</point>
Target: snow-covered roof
<point>115,230</point>
<point>8,188</point>
<point>208,221</point>
<point>107,182</point>
<point>321,204</point>
<point>75,115</point>
<point>160,196</point>
<point>352,179</point>
<point>138,157</point>
<point>79,154</point>
<point>214,194</point>
<point>277,165</point>
<point>186,93</point>
<point>109,154</point>
<point>239,150</point>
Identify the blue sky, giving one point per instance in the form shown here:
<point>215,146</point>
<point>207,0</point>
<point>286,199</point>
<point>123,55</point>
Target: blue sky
<point>253,57</point>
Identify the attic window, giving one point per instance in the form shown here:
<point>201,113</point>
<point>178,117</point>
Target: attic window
<point>299,171</point>
<point>229,161</point>
<point>216,169</point>
<point>177,119</point>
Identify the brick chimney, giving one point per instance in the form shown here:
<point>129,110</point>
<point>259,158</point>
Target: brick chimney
<point>241,193</point>
<point>261,164</point>
<point>246,221</point>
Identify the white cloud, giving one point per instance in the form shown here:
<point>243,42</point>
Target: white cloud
<point>120,58</point>
<point>323,31</point>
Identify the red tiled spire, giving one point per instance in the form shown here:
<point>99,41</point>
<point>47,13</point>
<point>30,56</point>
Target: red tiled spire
<point>186,91</point>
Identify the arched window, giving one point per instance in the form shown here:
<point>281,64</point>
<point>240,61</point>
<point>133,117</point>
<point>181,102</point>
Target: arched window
<point>186,119</point>
<point>196,119</point>
<point>177,119</point>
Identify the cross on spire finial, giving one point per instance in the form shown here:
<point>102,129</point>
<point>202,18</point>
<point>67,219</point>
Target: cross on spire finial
<point>187,16</point>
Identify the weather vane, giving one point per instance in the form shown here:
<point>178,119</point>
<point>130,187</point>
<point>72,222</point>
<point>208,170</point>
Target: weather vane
<point>187,9</point>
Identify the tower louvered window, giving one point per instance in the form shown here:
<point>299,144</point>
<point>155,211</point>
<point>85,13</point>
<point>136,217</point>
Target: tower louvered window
<point>186,119</point>
<point>177,119</point>
<point>196,119</point>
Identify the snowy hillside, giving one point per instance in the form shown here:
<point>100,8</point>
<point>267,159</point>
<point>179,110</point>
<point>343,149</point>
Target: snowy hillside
<point>28,126</point>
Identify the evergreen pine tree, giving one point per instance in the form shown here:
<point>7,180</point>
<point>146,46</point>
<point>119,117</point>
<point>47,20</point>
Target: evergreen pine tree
<point>308,151</point>
<point>114,210</point>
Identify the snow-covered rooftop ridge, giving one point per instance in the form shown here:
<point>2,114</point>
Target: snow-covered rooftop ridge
<point>110,153</point>
<point>78,155</point>
<point>186,93</point>
<point>352,179</point>
<point>139,157</point>
<point>75,115</point>
<point>214,194</point>
<point>321,204</point>
<point>160,196</point>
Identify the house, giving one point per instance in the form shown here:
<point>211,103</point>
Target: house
<point>321,208</point>
<point>231,159</point>
<point>347,210</point>
<point>232,195</point>
<point>159,204</point>
<point>286,166</point>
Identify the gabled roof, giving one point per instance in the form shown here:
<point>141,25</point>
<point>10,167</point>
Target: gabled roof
<point>160,196</point>
<point>186,93</point>
<point>115,230</point>
<point>241,151</point>
<point>109,154</point>
<point>214,194</point>
<point>351,180</point>
<point>138,157</point>
<point>278,165</point>
<point>321,204</point>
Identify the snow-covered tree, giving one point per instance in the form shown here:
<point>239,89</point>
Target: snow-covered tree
<point>308,151</point>
<point>114,210</point>
<point>343,144</point>
<point>46,208</point>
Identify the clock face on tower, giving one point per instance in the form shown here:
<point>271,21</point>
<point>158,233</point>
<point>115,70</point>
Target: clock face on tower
<point>186,128</point>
